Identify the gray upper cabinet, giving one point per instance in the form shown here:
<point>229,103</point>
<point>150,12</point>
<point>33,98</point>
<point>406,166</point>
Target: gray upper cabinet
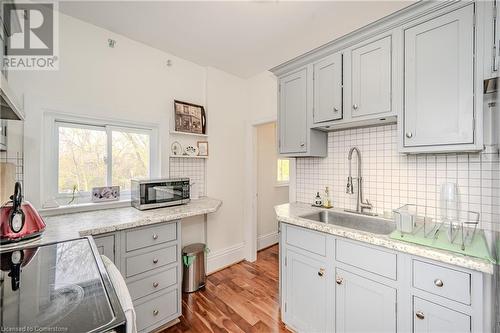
<point>439,82</point>
<point>371,78</point>
<point>422,67</point>
<point>358,296</point>
<point>295,137</point>
<point>293,112</point>
<point>327,79</point>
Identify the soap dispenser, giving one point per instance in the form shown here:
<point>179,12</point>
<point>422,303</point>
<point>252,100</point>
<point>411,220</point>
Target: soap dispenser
<point>327,202</point>
<point>318,202</point>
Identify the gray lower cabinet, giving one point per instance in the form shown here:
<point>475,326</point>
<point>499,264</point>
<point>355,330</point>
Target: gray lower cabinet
<point>356,295</point>
<point>333,284</point>
<point>431,317</point>
<point>149,258</point>
<point>106,246</point>
<point>308,308</point>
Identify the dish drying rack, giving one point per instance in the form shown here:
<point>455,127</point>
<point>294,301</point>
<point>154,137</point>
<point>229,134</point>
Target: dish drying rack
<point>430,223</point>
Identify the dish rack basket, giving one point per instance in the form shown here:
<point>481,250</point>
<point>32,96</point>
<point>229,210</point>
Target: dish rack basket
<point>429,222</point>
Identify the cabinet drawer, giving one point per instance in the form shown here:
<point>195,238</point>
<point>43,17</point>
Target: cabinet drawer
<point>137,239</point>
<point>372,260</point>
<point>157,309</point>
<point>144,262</point>
<point>431,317</point>
<point>442,281</point>
<point>308,240</point>
<point>151,283</point>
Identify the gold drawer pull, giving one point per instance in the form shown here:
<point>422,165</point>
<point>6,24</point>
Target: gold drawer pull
<point>155,260</point>
<point>155,312</point>
<point>155,284</point>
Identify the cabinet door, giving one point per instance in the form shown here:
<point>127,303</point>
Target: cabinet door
<point>293,112</point>
<point>439,80</point>
<point>309,294</point>
<point>371,78</point>
<point>363,305</point>
<point>328,89</point>
<point>106,246</point>
<point>433,318</point>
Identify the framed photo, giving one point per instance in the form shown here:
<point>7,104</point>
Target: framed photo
<point>202,148</point>
<point>189,118</point>
<point>105,193</point>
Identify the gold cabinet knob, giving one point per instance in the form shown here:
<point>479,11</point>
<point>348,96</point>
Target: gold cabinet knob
<point>155,260</point>
<point>339,280</point>
<point>155,312</point>
<point>155,236</point>
<point>155,284</point>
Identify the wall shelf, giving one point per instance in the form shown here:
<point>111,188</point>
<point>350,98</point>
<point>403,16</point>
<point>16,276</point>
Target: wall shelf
<point>187,156</point>
<point>189,134</point>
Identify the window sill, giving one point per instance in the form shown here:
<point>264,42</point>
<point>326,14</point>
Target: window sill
<point>282,184</point>
<point>83,207</point>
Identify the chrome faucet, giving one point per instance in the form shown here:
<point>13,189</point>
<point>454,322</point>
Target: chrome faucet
<point>361,205</point>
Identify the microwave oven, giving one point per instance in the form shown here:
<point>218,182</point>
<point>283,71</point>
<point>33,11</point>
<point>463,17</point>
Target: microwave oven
<point>156,193</point>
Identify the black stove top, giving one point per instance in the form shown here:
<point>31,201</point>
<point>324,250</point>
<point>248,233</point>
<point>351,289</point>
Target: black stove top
<point>59,287</point>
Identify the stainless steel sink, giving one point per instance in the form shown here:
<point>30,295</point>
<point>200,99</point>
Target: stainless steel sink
<point>359,222</point>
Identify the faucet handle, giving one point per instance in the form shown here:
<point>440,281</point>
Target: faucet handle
<point>349,189</point>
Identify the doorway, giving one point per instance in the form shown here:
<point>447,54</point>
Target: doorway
<point>273,175</point>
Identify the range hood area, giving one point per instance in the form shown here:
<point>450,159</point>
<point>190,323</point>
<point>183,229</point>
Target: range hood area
<point>10,108</point>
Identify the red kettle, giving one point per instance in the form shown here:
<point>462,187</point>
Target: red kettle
<point>18,219</point>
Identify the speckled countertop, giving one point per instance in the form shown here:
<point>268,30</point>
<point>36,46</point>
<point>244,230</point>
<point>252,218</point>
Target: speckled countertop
<point>68,226</point>
<point>290,213</point>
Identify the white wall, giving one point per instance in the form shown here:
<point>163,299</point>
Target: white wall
<point>132,82</point>
<point>269,192</point>
<point>129,82</point>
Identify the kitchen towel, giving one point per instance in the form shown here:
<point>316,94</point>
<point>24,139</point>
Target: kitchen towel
<point>122,293</point>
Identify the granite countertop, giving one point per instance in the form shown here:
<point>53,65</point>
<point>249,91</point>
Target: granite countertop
<point>69,226</point>
<point>290,213</point>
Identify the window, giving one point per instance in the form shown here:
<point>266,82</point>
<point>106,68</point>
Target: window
<point>91,154</point>
<point>283,175</point>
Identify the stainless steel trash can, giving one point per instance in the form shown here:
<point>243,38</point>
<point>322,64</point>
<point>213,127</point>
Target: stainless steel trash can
<point>193,259</point>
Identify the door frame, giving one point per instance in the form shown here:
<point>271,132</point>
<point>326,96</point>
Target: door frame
<point>250,228</point>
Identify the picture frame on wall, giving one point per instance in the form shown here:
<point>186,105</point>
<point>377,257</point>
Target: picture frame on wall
<point>189,118</point>
<point>202,148</point>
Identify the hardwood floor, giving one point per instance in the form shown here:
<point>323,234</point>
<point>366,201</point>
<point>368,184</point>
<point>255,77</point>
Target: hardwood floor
<point>240,298</point>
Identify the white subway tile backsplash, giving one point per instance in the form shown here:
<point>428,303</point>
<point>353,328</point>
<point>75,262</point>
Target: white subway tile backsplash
<point>192,168</point>
<point>391,180</point>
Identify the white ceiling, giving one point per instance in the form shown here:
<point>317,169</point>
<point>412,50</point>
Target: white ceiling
<point>239,37</point>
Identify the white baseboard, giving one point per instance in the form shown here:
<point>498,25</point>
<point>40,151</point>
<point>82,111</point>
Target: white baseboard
<point>267,240</point>
<point>225,257</point>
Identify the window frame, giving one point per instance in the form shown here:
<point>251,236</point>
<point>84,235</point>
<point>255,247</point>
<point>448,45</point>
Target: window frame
<point>283,182</point>
<point>50,172</point>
